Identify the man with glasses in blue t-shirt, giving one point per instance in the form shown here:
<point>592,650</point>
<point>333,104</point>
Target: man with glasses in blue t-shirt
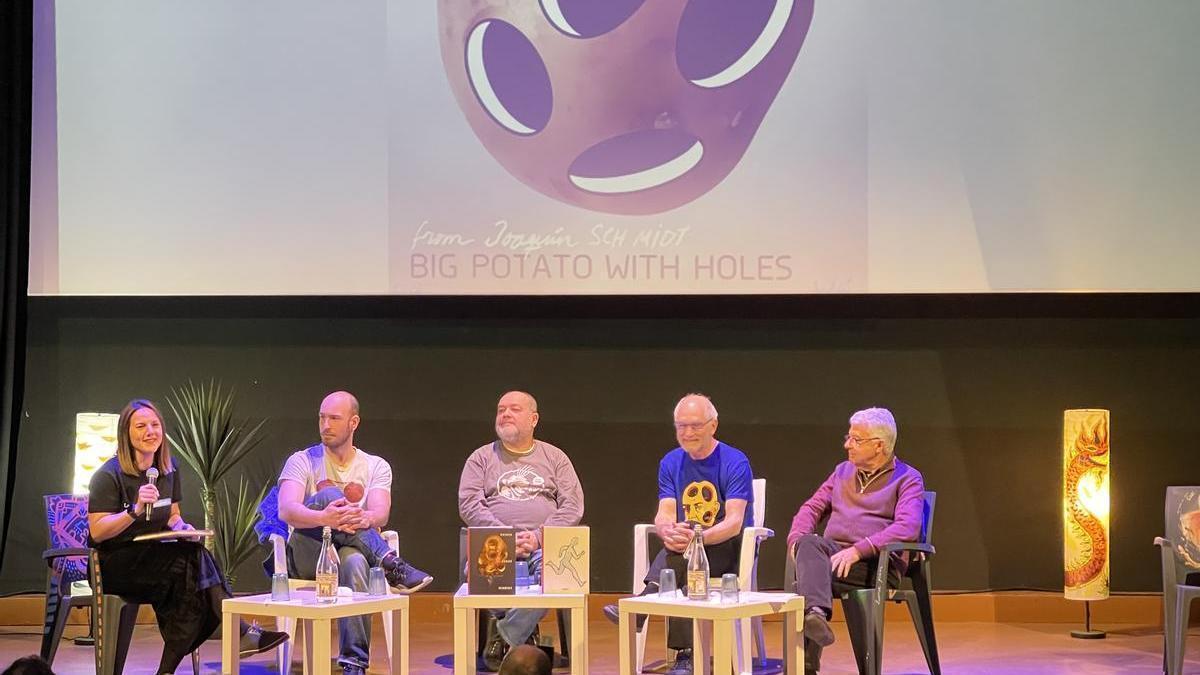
<point>702,481</point>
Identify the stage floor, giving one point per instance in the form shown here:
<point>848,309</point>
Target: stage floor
<point>966,647</point>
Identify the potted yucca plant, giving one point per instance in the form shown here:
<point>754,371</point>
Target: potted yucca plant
<point>209,439</point>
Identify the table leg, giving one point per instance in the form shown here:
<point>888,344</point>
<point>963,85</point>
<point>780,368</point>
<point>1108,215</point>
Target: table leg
<point>305,627</point>
<point>793,642</point>
<point>464,647</point>
<point>702,630</point>
<point>579,641</point>
<point>626,638</point>
<point>320,637</point>
<point>230,642</point>
<point>399,655</point>
<point>722,641</point>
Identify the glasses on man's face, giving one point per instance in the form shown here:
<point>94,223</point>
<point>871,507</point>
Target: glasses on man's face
<point>691,426</point>
<point>856,440</point>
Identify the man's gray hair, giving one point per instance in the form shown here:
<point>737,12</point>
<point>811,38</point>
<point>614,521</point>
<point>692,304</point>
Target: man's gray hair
<point>880,423</point>
<point>709,408</point>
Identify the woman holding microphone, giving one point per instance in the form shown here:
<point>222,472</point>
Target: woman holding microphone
<point>137,492</point>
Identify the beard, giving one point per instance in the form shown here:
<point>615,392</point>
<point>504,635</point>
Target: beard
<point>508,433</point>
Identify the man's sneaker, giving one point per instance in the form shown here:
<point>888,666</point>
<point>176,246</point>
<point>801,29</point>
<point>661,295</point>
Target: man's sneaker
<point>817,628</point>
<point>256,640</point>
<point>402,575</point>
<point>613,614</point>
<point>351,669</point>
<point>682,665</point>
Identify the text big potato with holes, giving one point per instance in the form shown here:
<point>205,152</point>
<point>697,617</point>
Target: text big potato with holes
<point>620,106</point>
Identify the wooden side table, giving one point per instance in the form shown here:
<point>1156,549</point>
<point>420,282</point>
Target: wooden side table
<point>314,619</point>
<point>719,618</point>
<point>466,622</point>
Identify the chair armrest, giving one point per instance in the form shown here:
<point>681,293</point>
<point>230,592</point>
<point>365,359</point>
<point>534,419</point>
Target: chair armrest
<point>757,534</point>
<point>748,556</point>
<point>393,540</point>
<point>641,554</point>
<point>1167,552</point>
<point>279,551</point>
<point>912,546</point>
<point>53,553</point>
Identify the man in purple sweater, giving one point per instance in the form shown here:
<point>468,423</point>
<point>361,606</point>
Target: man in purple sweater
<point>872,499</point>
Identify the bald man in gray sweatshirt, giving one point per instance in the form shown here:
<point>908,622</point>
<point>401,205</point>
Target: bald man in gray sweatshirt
<point>520,482</point>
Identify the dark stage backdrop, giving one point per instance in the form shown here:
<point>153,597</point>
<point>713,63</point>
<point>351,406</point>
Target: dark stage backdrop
<point>977,384</point>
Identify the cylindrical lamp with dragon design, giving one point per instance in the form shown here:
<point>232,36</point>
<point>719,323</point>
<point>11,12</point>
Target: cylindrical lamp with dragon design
<point>1086,509</point>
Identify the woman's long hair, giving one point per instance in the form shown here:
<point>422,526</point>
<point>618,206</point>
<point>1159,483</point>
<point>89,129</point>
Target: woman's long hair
<point>126,455</point>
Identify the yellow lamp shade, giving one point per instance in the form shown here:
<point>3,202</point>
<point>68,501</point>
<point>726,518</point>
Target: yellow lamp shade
<point>95,443</point>
<point>1085,504</point>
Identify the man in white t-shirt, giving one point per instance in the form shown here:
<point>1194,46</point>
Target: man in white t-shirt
<point>336,485</point>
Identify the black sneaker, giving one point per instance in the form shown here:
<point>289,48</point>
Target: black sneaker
<point>402,575</point>
<point>682,665</point>
<point>256,640</point>
<point>613,614</point>
<point>817,628</point>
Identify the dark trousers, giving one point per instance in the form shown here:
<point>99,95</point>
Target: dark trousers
<point>183,583</point>
<point>815,582</point>
<point>722,559</point>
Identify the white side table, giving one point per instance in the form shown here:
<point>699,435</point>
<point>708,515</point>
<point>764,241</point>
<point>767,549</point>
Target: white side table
<point>466,622</point>
<point>718,618</point>
<point>314,619</point>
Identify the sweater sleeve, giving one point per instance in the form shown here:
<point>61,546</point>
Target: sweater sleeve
<point>472,507</point>
<point>910,504</point>
<point>810,513</point>
<point>570,494</point>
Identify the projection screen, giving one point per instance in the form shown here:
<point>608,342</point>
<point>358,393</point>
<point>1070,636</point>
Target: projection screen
<point>619,147</point>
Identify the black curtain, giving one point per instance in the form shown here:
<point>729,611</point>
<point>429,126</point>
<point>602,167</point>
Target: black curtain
<point>16,86</point>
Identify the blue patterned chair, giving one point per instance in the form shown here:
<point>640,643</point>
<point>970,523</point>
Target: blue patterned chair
<point>67,526</point>
<point>69,560</point>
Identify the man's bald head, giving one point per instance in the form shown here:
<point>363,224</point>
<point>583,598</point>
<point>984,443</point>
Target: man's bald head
<point>525,660</point>
<point>337,420</point>
<point>342,398</point>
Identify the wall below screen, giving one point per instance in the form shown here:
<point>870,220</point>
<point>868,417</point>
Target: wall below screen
<point>977,384</point>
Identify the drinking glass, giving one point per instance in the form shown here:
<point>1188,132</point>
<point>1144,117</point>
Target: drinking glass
<point>279,587</point>
<point>666,582</point>
<point>729,588</point>
<point>377,582</point>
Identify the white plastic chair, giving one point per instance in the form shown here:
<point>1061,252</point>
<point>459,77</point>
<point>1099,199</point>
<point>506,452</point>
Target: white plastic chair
<point>747,579</point>
<point>283,653</point>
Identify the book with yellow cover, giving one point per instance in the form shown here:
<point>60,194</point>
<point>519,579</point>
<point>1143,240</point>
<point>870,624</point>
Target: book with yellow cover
<point>566,559</point>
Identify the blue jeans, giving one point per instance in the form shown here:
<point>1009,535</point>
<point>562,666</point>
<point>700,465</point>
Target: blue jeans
<point>518,624</point>
<point>357,553</point>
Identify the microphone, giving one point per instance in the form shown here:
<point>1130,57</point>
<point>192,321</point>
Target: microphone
<point>151,476</point>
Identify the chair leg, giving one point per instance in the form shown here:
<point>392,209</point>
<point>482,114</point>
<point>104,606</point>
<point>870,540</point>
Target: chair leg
<point>58,608</point>
<point>115,634</point>
<point>283,653</point>
<point>1179,648</point>
<point>760,643</point>
<point>861,629</point>
<point>196,662</point>
<point>923,621</point>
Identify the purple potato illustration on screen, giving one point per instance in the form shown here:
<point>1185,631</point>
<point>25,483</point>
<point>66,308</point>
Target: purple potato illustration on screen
<point>619,106</point>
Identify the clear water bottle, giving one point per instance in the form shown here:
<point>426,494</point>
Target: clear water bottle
<point>697,566</point>
<point>327,569</point>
